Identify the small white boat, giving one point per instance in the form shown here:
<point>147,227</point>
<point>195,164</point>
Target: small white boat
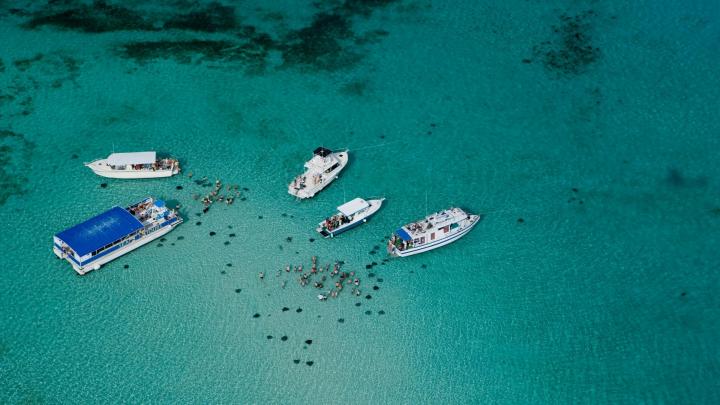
<point>433,231</point>
<point>135,165</point>
<point>351,214</point>
<point>105,237</point>
<point>322,169</point>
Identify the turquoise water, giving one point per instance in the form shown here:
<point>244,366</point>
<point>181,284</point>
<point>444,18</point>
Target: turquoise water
<point>596,123</point>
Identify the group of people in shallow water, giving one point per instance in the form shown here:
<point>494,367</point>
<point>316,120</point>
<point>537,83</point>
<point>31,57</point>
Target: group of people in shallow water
<point>215,195</point>
<point>318,276</point>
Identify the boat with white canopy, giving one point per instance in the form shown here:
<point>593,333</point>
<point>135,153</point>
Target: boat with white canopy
<point>134,165</point>
<point>432,232</point>
<point>321,170</point>
<point>351,214</point>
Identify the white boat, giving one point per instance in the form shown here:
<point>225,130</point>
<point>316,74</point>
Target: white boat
<point>115,232</point>
<point>135,165</point>
<point>433,231</point>
<point>321,170</point>
<point>351,214</point>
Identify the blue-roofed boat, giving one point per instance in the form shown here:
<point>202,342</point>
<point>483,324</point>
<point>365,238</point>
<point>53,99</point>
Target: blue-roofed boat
<point>432,232</point>
<point>102,238</point>
<point>351,214</point>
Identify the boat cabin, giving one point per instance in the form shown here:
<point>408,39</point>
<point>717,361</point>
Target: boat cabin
<point>136,160</point>
<point>98,236</point>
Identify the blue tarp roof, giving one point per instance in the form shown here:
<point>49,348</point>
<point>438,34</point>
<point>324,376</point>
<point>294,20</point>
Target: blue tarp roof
<point>404,235</point>
<point>99,231</point>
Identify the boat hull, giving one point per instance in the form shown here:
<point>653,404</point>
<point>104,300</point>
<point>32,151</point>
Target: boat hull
<point>438,243</point>
<point>96,264</point>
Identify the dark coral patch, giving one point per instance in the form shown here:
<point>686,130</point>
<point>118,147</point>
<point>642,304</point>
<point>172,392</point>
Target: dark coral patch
<point>213,17</point>
<point>570,50</point>
<point>676,178</point>
<point>15,151</point>
<point>250,53</point>
<point>92,18</point>
<point>322,44</point>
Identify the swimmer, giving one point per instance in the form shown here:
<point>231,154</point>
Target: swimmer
<point>284,283</point>
<point>262,275</point>
<point>287,269</point>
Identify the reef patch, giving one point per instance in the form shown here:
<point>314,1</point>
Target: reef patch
<point>97,17</point>
<point>570,50</point>
<point>15,154</point>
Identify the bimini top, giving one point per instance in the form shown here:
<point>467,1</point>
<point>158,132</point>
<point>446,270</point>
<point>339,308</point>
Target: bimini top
<point>135,158</point>
<point>404,235</point>
<point>353,206</point>
<point>100,230</point>
<point>321,151</point>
